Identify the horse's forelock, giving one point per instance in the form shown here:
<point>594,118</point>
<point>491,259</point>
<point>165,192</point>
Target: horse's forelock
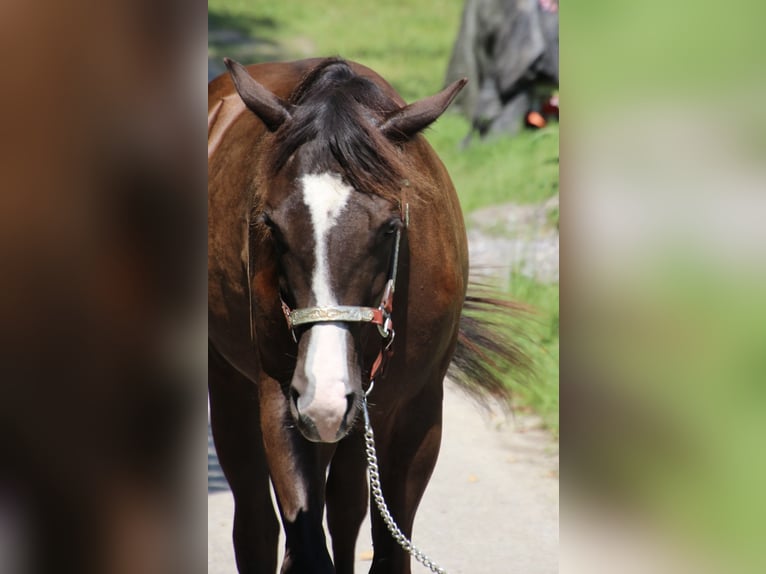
<point>335,125</point>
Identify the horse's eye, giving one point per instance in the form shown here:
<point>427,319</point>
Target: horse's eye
<point>267,221</point>
<point>391,227</point>
<point>276,233</point>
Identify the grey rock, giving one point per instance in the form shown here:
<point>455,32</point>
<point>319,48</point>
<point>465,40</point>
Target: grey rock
<point>513,237</point>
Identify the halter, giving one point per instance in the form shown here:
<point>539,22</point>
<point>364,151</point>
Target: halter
<point>379,316</point>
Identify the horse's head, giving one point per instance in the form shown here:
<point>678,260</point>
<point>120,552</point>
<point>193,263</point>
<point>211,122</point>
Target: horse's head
<point>331,207</point>
<point>335,250</point>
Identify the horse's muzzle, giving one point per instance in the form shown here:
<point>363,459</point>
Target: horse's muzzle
<point>323,421</point>
<point>326,383</point>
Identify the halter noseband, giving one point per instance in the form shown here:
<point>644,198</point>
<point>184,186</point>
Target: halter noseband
<point>380,316</point>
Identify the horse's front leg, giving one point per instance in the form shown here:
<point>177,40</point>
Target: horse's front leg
<point>235,419</point>
<point>297,469</point>
<point>407,447</point>
<point>347,499</point>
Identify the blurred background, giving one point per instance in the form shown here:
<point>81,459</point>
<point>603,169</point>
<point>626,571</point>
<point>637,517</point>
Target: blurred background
<point>102,259</point>
<point>663,378</point>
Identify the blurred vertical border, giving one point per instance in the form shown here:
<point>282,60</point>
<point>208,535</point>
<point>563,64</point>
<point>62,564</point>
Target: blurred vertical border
<point>663,315</point>
<point>102,219</point>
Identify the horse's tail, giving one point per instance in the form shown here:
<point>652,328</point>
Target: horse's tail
<point>488,353</point>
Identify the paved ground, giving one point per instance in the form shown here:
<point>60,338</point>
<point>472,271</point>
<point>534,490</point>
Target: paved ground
<point>491,507</point>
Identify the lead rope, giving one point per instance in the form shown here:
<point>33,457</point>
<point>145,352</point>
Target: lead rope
<point>377,495</point>
<point>372,457</point>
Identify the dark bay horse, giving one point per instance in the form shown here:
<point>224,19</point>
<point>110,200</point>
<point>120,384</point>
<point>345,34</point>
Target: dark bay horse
<point>333,226</point>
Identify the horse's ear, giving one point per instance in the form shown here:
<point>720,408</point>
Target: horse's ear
<point>272,110</point>
<point>406,122</point>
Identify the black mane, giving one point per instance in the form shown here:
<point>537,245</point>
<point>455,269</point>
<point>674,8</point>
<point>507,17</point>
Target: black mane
<point>335,119</point>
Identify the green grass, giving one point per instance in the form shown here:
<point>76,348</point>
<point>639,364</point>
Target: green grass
<point>522,169</point>
<point>541,344</point>
<point>409,44</point>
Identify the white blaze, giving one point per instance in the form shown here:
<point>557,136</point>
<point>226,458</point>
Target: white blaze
<point>325,195</point>
<point>326,364</point>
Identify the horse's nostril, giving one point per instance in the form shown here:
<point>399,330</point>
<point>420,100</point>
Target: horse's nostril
<point>350,400</point>
<point>294,395</point>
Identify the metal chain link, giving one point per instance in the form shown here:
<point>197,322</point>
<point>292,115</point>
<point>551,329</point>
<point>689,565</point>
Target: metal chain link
<point>377,495</point>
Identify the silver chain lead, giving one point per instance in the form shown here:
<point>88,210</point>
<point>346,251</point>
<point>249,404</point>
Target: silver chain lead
<point>377,495</point>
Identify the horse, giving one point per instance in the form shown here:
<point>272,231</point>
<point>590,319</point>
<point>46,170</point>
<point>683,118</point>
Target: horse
<point>337,280</point>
